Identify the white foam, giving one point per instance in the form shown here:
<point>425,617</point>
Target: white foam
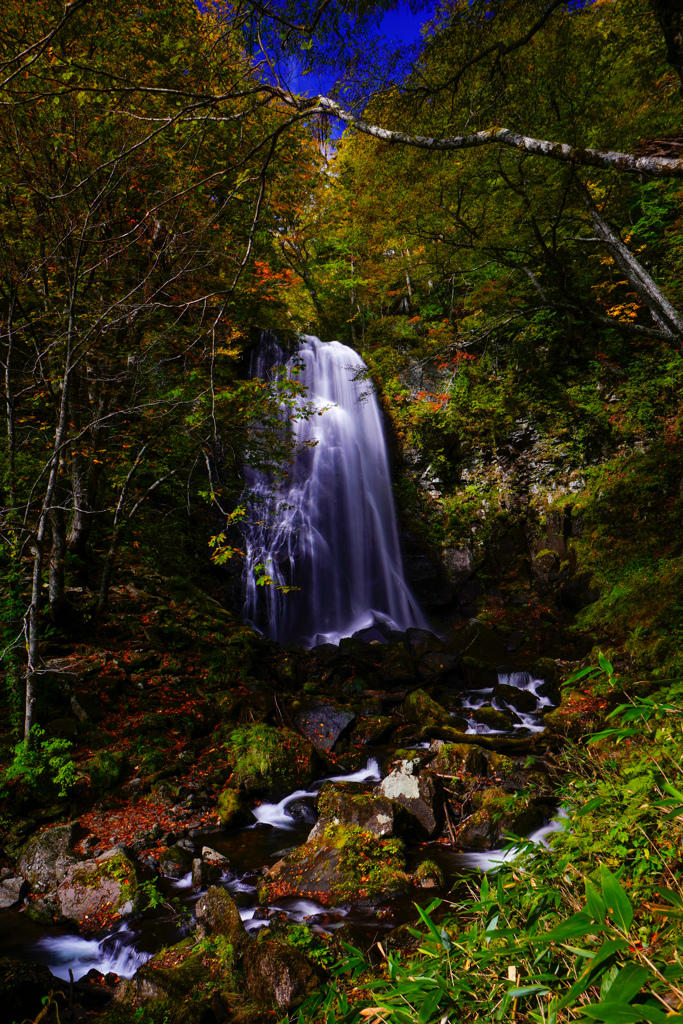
<point>114,953</point>
<point>494,859</point>
<point>276,814</point>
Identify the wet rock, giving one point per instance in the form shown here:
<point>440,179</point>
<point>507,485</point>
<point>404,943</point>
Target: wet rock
<point>351,804</point>
<point>46,857</point>
<point>345,863</point>
<point>495,719</point>
<point>175,861</point>
<point>204,873</point>
<point>420,708</point>
<point>278,974</point>
<point>171,974</point>
<point>95,891</point>
<point>217,914</point>
<point>211,856</point>
<point>301,810</point>
<point>496,814</point>
<point>324,724</point>
<point>416,792</point>
<point>44,910</point>
<point>371,635</point>
<point>423,641</point>
<point>232,810</point>
<point>23,987</point>
<point>12,889</point>
<point>453,756</point>
<point>373,730</point>
<point>522,700</point>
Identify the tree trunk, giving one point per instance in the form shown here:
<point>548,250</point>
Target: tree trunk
<point>663,312</point>
<point>669,15</point>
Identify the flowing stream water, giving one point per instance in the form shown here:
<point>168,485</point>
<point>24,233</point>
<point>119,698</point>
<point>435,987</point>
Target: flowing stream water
<point>330,529</point>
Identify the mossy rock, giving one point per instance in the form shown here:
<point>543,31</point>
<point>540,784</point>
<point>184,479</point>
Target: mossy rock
<point>271,761</point>
<point>106,768</point>
<point>420,708</point>
<point>173,972</point>
<point>454,756</point>
<point>278,974</point>
<point>228,705</point>
<point>373,730</point>
<point>217,914</point>
<point>493,718</point>
<point>175,861</point>
<point>428,871</point>
<point>345,863</point>
<point>94,893</point>
<point>232,810</point>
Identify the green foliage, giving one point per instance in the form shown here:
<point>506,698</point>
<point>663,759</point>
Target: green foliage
<point>37,761</point>
<point>315,946</point>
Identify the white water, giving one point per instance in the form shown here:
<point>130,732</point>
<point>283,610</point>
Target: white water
<point>114,953</point>
<point>528,721</point>
<point>330,529</point>
<point>493,859</point>
<point>276,814</point>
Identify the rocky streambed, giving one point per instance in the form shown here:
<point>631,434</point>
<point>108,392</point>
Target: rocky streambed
<point>379,772</point>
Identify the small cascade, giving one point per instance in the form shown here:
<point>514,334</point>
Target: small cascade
<point>330,530</point>
<point>116,953</point>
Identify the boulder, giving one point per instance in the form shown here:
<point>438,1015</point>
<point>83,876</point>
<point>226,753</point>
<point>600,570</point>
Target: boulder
<point>12,889</point>
<point>351,804</point>
<point>454,756</point>
<point>459,563</point>
<point>492,717</point>
<point>416,791</point>
<point>232,810</point>
<point>46,857</point>
<point>496,814</point>
<point>96,892</point>
<point>175,861</point>
<point>422,641</point>
<point>373,730</point>
<point>397,666</point>
<point>204,874</point>
<point>324,724</point>
<point>521,700</point>
<point>420,708</point>
<point>211,856</point>
<point>437,663</point>
<point>345,863</point>
<point>217,914</point>
<point>279,974</point>
<point>271,762</point>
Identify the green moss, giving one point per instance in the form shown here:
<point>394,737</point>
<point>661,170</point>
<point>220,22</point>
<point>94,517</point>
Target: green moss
<point>370,866</point>
<point>118,867</point>
<point>268,759</point>
<point>428,869</point>
<point>231,808</point>
<point>420,708</point>
<point>106,768</point>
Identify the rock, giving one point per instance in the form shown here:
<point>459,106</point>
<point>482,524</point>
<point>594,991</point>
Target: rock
<point>496,814</point>
<point>416,792</point>
<point>437,663</point>
<point>346,863</point>
<point>106,768</point>
<point>232,810</point>
<point>474,640</point>
<point>492,717</point>
<point>24,986</point>
<point>12,890</point>
<point>217,914</point>
<point>175,861</point>
<point>171,974</point>
<point>351,804</point>
<point>452,756</point>
<point>43,910</point>
<point>459,564</point>
<point>62,728</point>
<point>95,892</point>
<point>521,700</point>
<point>301,810</point>
<point>372,730</point>
<point>279,974</point>
<point>397,666</point>
<point>204,873</point>
<point>211,856</point>
<point>420,708</point>
<point>271,762</point>
<point>324,724</point>
<point>46,857</point>
<point>422,641</point>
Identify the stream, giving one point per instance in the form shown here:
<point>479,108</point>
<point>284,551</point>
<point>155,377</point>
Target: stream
<point>274,833</point>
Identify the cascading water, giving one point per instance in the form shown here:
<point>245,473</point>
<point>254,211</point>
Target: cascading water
<point>330,529</point>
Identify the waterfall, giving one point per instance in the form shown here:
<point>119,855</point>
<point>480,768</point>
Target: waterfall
<point>330,528</point>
